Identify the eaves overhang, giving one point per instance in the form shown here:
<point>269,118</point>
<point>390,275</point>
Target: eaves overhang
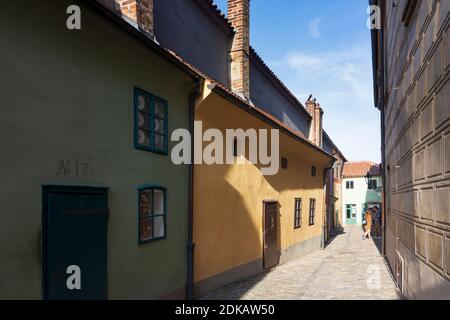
<point>260,114</point>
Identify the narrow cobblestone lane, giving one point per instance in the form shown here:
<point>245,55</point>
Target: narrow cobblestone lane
<point>348,269</point>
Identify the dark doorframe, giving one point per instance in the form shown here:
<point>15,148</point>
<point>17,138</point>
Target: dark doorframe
<point>48,190</point>
<point>271,234</point>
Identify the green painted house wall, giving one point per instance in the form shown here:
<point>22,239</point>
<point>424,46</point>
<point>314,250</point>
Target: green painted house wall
<point>68,96</point>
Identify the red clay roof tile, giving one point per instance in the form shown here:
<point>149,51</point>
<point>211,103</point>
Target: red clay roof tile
<point>357,169</point>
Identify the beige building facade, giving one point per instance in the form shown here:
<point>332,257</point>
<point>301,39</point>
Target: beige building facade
<point>411,55</point>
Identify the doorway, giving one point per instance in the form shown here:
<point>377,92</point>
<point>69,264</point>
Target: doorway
<point>270,227</point>
<point>351,215</point>
<point>74,243</point>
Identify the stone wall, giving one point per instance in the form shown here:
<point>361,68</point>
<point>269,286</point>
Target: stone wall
<point>417,123</point>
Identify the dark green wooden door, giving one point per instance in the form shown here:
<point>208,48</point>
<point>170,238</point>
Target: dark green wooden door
<point>75,222</point>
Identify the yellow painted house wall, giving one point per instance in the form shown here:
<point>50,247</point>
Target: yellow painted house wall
<point>228,199</point>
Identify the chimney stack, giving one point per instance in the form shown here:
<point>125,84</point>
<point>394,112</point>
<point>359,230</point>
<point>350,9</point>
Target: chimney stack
<point>239,17</point>
<point>316,126</point>
<point>140,11</point>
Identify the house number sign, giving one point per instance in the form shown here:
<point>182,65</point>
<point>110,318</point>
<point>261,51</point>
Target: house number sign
<point>72,168</point>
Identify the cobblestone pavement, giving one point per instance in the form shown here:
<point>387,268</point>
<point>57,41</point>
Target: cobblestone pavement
<point>348,269</point>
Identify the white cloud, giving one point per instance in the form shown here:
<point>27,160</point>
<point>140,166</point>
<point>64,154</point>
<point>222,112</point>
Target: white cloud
<point>341,80</point>
<point>314,28</point>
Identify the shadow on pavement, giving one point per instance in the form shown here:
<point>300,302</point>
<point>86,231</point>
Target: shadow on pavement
<point>337,232</point>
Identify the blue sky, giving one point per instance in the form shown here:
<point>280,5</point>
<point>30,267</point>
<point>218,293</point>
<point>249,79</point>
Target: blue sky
<point>322,47</point>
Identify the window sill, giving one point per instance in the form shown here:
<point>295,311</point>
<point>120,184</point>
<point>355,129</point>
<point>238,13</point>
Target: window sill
<point>149,150</point>
<point>143,242</point>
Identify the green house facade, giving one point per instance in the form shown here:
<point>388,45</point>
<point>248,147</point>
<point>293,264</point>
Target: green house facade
<point>91,205</point>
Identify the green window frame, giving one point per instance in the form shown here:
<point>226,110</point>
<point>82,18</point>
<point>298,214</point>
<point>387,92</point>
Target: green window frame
<point>298,213</point>
<point>150,122</point>
<point>312,212</point>
<point>152,214</point>
<point>349,209</point>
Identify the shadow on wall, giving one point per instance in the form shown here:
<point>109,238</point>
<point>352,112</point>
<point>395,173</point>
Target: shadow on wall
<point>400,199</point>
<point>229,229</point>
<point>229,225</point>
<point>337,232</point>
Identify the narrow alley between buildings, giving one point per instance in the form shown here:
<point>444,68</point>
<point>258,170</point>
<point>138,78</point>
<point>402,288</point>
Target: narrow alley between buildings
<point>348,269</point>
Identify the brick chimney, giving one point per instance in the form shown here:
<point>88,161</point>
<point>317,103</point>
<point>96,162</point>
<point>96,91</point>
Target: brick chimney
<point>239,17</point>
<point>316,126</point>
<point>140,11</point>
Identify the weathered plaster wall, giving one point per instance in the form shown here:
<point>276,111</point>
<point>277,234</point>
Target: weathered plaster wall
<point>68,95</point>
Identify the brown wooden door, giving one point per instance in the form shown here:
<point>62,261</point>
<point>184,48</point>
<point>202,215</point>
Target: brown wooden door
<point>271,248</point>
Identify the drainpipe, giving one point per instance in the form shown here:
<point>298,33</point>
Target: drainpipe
<point>323,241</point>
<point>191,245</point>
<point>324,211</point>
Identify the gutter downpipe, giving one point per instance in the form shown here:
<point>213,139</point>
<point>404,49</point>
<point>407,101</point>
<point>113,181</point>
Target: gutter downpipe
<point>190,244</point>
<point>325,207</point>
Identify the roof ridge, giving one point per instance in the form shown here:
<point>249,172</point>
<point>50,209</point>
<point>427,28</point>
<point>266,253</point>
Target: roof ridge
<point>362,162</point>
<point>277,79</point>
<point>267,115</point>
<point>219,13</point>
<point>332,142</point>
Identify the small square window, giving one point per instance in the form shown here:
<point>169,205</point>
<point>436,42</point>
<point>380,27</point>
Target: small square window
<point>150,122</point>
<point>314,171</point>
<point>152,214</point>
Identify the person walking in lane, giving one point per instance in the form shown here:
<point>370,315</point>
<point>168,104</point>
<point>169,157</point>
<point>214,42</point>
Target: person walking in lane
<point>377,222</point>
<point>368,226</point>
